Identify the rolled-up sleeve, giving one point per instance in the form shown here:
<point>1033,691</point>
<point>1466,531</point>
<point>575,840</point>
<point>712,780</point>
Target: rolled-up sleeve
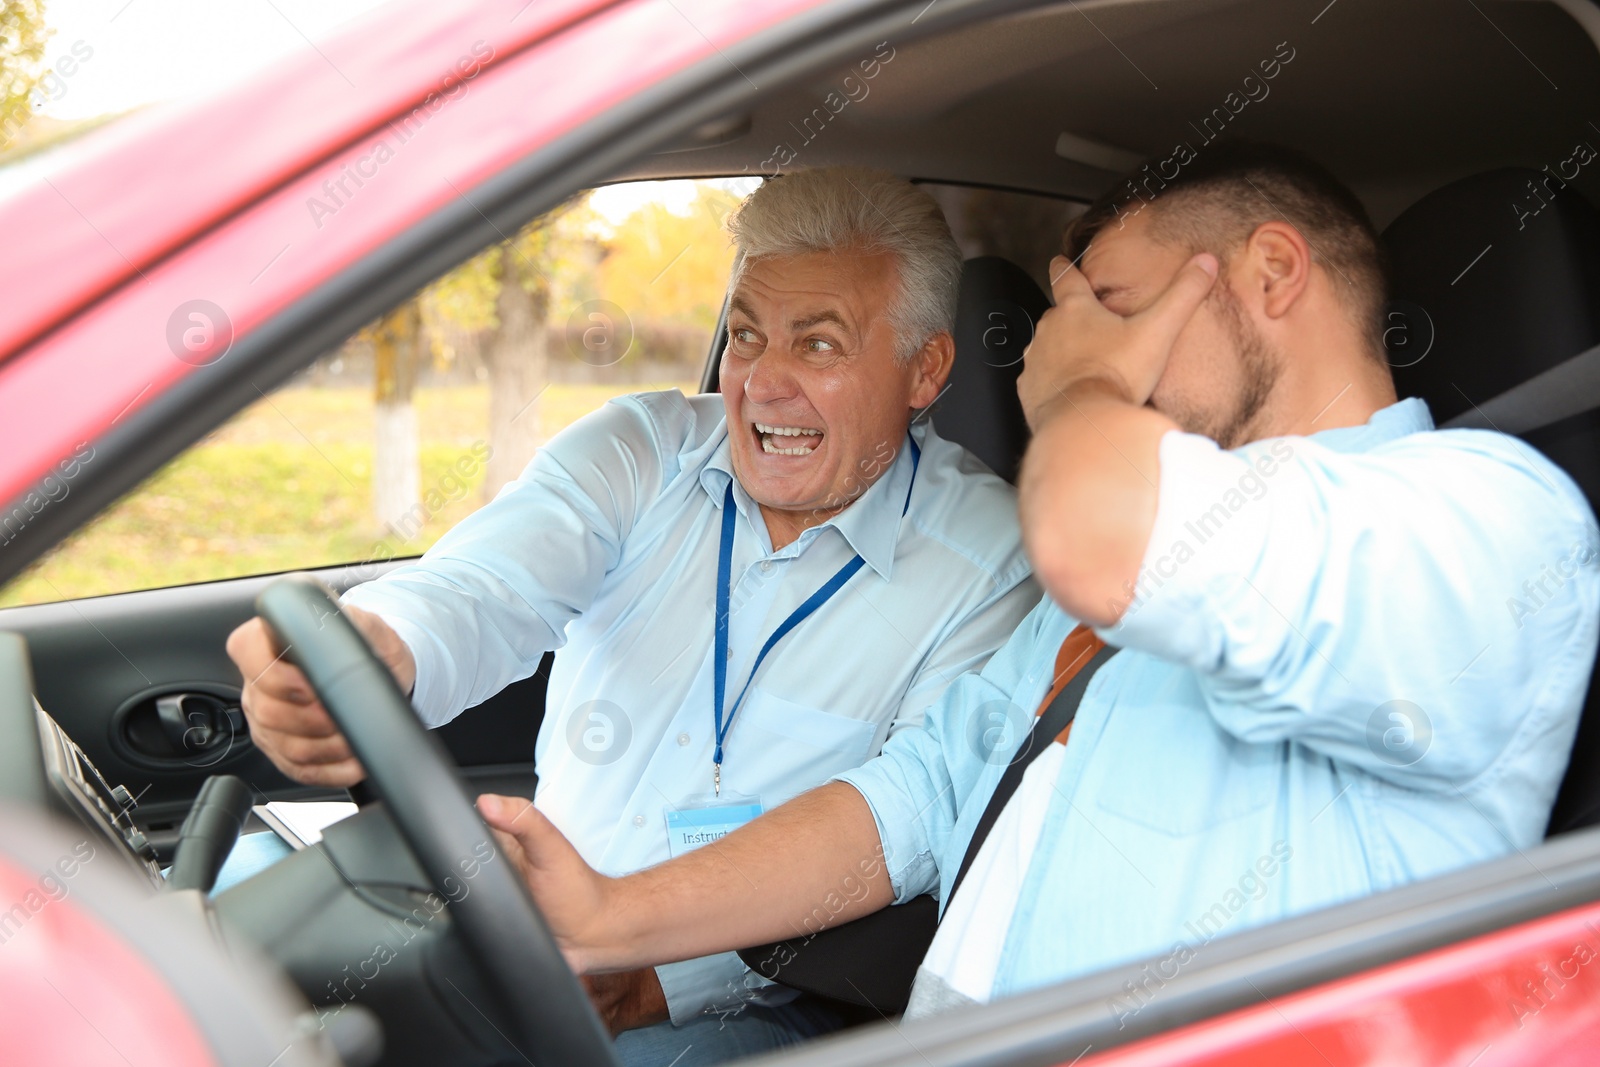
<point>967,645</point>
<point>922,786</point>
<point>714,985</point>
<point>1355,602</point>
<point>484,604</point>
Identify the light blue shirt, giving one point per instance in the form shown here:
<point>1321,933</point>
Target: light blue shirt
<point>1352,660</point>
<point>606,548</point>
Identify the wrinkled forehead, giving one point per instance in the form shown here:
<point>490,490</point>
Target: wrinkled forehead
<point>835,271</point>
<point>844,285</point>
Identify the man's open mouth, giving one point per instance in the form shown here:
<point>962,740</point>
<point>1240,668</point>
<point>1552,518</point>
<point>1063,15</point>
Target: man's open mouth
<point>788,440</point>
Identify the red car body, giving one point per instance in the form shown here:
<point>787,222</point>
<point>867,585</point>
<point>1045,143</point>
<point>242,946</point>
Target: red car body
<point>1523,996</point>
<point>258,198</point>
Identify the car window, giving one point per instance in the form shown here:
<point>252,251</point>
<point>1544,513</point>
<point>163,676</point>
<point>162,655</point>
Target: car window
<point>1025,228</point>
<point>379,447</point>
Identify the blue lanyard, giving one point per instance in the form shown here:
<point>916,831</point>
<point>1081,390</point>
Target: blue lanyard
<point>799,615</point>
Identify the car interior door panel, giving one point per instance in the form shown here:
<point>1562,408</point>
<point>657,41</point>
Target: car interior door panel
<point>103,667</point>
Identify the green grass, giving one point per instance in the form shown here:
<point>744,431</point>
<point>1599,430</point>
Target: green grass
<point>285,484</point>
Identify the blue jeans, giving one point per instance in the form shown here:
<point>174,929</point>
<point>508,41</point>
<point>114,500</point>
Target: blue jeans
<point>714,1039</point>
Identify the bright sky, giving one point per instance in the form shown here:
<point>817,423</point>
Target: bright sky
<point>149,50</point>
<point>145,51</point>
<point>616,202</point>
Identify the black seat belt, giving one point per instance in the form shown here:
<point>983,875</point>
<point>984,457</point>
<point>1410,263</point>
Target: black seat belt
<point>1046,727</point>
<point>871,962</point>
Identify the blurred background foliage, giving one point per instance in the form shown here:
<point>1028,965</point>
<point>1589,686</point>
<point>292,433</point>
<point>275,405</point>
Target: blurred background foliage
<point>23,34</point>
<point>420,417</point>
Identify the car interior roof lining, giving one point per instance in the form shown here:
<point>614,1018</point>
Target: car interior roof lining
<point>1439,92</point>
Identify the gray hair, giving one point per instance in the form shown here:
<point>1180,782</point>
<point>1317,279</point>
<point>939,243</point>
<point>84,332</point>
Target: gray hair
<point>826,209</point>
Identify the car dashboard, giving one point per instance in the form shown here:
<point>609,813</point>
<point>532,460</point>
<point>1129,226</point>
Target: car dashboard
<point>76,788</point>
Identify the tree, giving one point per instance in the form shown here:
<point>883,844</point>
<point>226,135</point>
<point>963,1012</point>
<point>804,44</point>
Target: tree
<point>396,466</point>
<point>658,266</point>
<point>505,294</point>
<point>518,358</point>
<point>22,39</point>
<point>663,267</point>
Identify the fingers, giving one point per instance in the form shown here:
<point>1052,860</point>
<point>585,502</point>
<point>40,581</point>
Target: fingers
<point>530,839</point>
<point>509,819</point>
<point>322,761</point>
<point>1173,309</point>
<point>1067,281</point>
<point>314,754</point>
<point>272,711</point>
<point>341,775</point>
<point>388,646</point>
<point>284,681</point>
<point>254,651</point>
<point>576,901</point>
<point>299,749</point>
<point>1083,341</point>
<point>285,718</point>
<point>501,813</point>
<point>514,816</point>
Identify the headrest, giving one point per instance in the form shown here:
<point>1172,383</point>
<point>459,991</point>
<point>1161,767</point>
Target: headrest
<point>1496,278</point>
<point>995,313</point>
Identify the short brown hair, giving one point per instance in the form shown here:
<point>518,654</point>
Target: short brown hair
<point>1213,198</point>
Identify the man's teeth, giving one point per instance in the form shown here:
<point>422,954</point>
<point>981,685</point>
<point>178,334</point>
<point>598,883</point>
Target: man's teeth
<point>787,431</point>
<point>769,432</point>
<point>773,450</point>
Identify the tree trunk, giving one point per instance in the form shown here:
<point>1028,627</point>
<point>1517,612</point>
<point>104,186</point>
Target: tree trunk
<point>517,355</point>
<point>396,466</point>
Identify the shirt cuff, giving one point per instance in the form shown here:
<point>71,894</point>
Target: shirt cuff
<point>1210,528</point>
<point>906,853</point>
<point>431,693</point>
<point>715,985</point>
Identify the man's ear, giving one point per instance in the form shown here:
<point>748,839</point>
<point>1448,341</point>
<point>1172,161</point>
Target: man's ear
<point>931,367</point>
<point>1279,261</point>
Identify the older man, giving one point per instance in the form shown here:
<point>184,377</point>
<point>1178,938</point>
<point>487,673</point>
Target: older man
<point>750,592</point>
<point>1295,573</point>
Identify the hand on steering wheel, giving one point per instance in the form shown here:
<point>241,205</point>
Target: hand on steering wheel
<point>501,928</point>
<point>287,721</point>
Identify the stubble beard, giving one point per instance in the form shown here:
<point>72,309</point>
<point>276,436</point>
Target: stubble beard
<point>1260,366</point>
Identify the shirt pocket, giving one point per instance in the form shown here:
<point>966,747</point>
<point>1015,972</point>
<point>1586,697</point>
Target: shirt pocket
<point>799,746</point>
<point>1180,773</point>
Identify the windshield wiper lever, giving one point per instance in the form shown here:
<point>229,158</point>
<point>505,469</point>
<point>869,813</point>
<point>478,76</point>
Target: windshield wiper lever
<point>209,833</point>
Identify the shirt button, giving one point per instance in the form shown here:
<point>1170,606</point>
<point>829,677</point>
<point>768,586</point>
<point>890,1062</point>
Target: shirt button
<point>766,566</point>
<point>638,820</point>
<point>683,739</point>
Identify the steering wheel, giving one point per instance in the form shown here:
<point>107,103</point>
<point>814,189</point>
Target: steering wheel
<point>501,928</point>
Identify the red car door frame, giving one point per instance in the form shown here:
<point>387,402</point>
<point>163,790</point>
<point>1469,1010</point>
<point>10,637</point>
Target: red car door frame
<point>272,205</point>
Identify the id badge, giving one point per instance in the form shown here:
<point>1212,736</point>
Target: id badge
<point>703,819</point>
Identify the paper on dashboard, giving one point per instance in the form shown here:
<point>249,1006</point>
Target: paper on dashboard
<point>301,823</point>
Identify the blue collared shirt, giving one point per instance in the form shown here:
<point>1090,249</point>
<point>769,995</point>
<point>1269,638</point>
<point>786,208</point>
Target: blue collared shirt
<point>1351,660</point>
<point>606,548</point>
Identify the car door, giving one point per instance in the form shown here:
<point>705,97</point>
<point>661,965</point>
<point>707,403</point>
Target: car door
<point>350,470</point>
<point>141,681</point>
